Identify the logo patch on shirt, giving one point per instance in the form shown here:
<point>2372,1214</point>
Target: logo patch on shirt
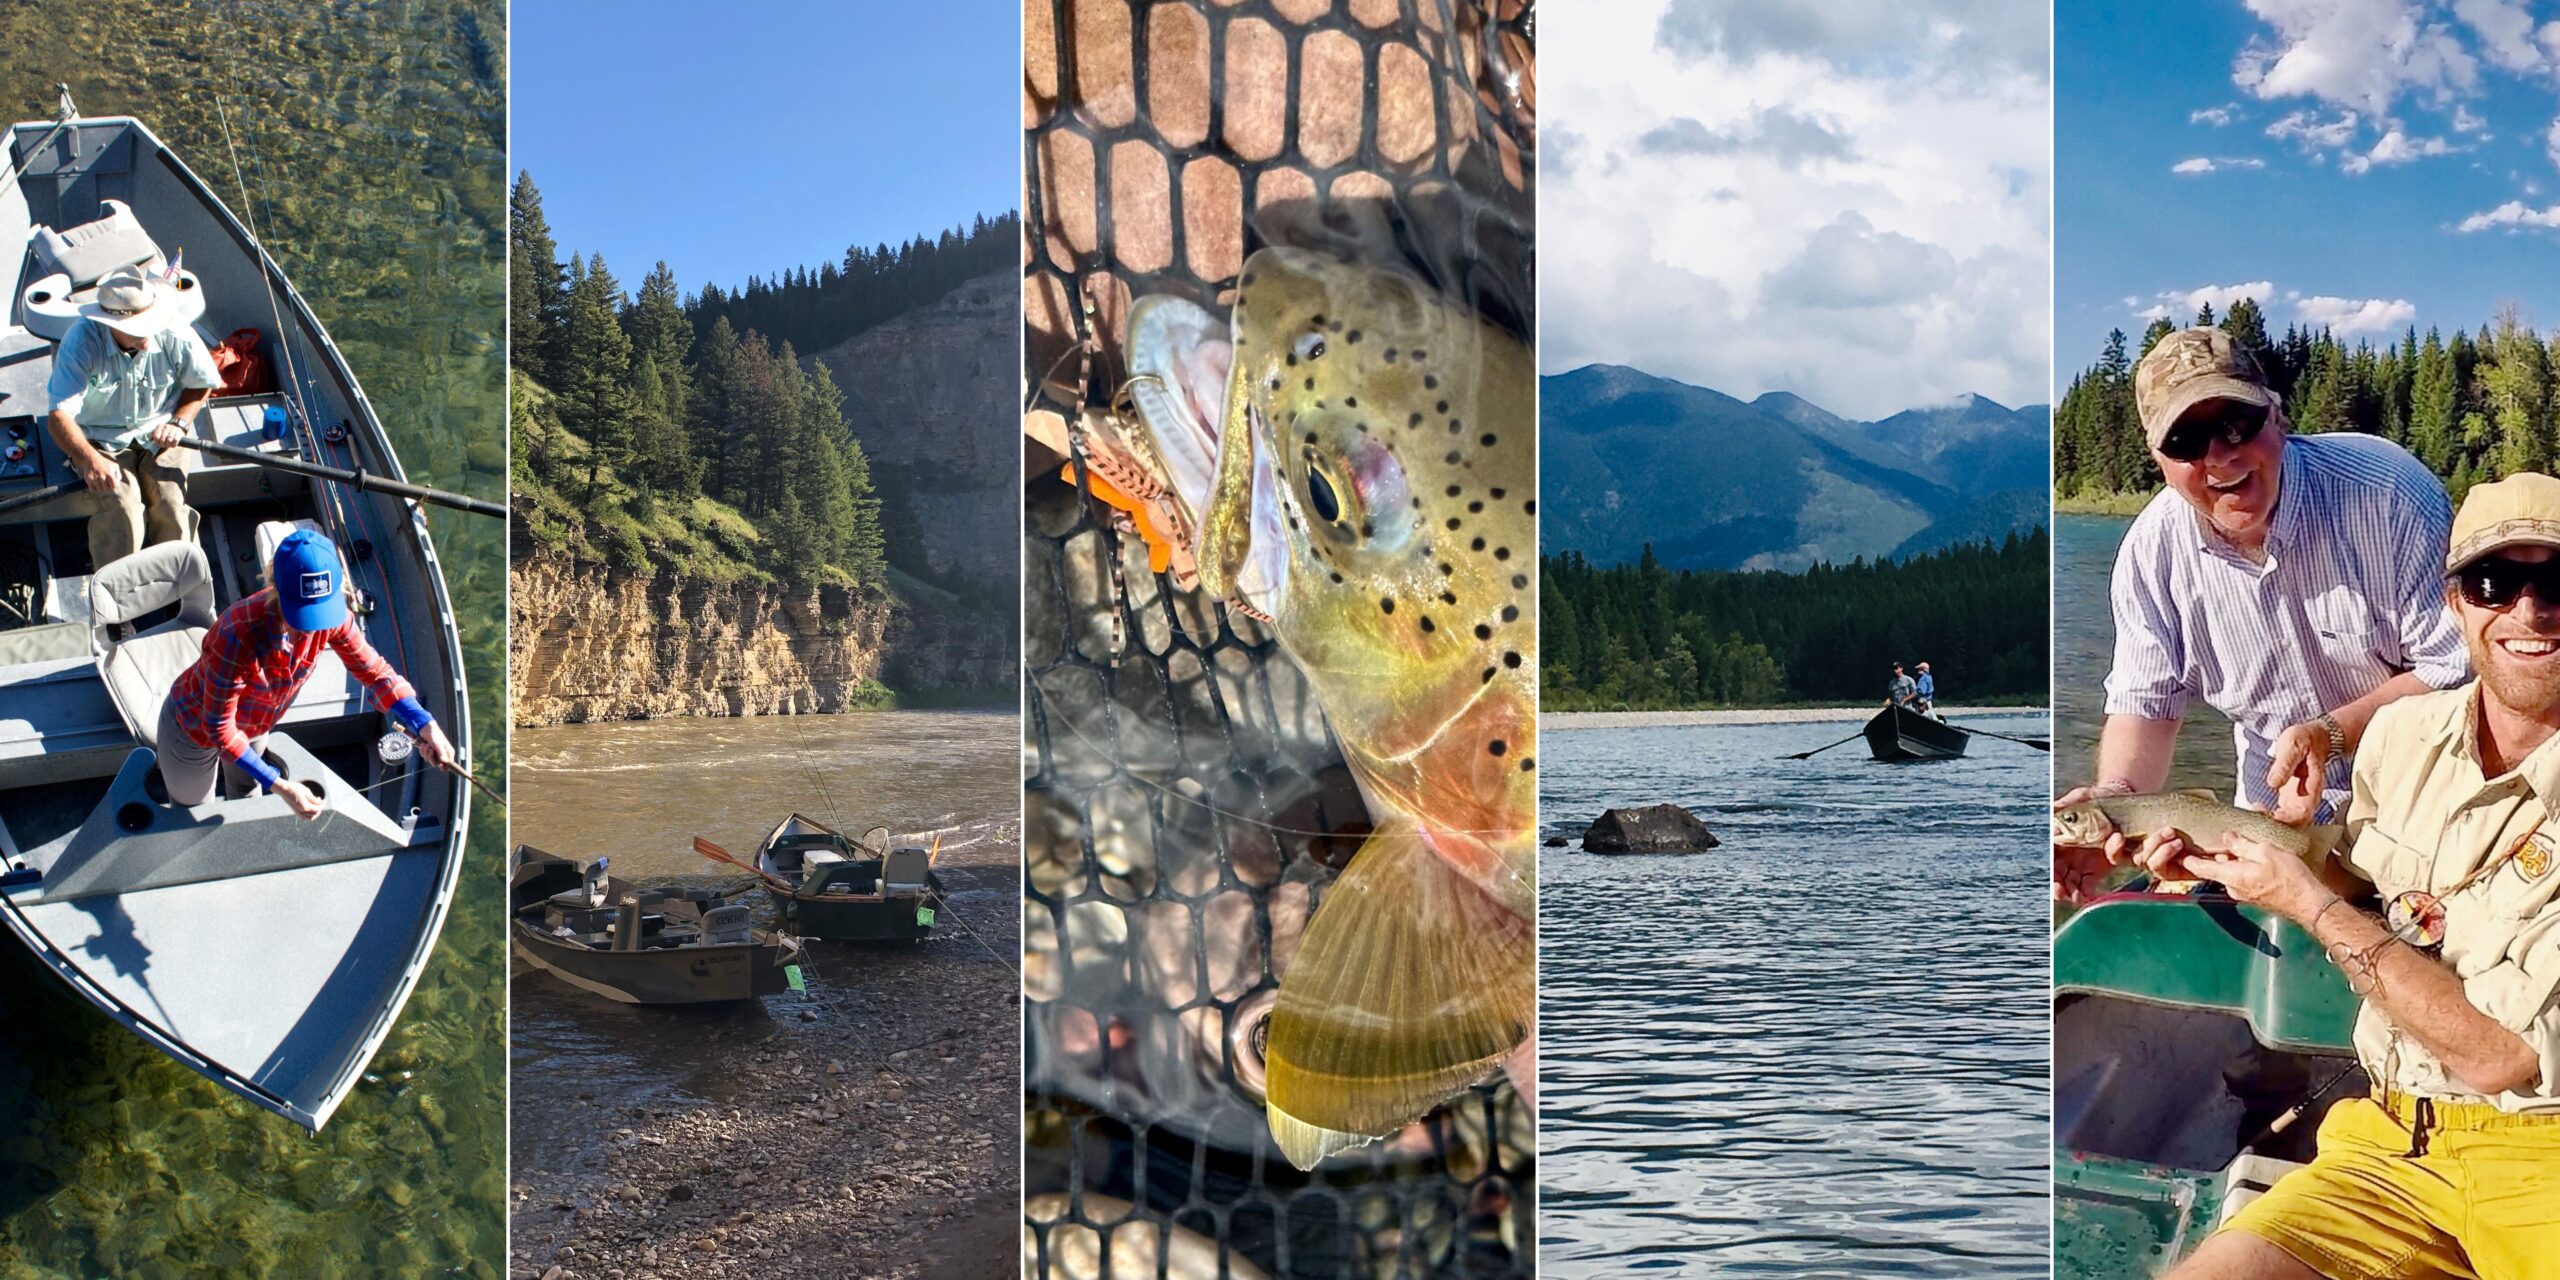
<point>2535,858</point>
<point>317,586</point>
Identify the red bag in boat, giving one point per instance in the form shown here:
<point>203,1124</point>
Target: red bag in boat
<point>244,371</point>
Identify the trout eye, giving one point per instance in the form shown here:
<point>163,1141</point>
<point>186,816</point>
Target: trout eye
<point>1310,346</point>
<point>1321,498</point>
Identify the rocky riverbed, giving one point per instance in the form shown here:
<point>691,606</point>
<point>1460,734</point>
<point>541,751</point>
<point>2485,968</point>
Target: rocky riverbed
<point>867,1126</point>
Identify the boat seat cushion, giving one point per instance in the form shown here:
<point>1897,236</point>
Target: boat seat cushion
<point>140,667</point>
<point>86,253</point>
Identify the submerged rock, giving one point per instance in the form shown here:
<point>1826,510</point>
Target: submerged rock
<point>1660,828</point>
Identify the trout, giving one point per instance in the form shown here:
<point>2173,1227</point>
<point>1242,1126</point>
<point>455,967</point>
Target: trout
<point>1353,456</point>
<point>2207,823</point>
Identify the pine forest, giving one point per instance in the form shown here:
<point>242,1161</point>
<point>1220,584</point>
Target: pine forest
<point>2473,406</point>
<point>1641,637</point>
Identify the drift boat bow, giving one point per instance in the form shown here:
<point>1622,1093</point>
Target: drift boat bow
<point>269,954</point>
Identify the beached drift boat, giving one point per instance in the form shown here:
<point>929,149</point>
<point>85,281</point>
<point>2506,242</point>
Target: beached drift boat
<point>1899,733</point>
<point>640,946</point>
<point>2184,1030</point>
<point>268,953</point>
<point>850,891</point>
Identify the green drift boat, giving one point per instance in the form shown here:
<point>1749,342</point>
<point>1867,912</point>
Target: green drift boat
<point>850,891</point>
<point>2186,1031</point>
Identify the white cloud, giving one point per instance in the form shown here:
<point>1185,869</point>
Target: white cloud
<point>2181,307</point>
<point>2395,147</point>
<point>2354,53</point>
<point>2216,164</point>
<point>2465,122</point>
<point>2513,215</point>
<point>2314,133</point>
<point>1893,248</point>
<point>2215,116</point>
<point>2345,316</point>
<point>2551,140</point>
<point>2506,32</point>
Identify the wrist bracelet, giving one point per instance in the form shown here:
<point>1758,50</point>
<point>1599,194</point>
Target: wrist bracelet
<point>2312,926</point>
<point>2337,736</point>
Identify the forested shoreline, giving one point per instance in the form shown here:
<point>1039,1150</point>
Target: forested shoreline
<point>2476,406</point>
<point>657,429</point>
<point>1641,637</point>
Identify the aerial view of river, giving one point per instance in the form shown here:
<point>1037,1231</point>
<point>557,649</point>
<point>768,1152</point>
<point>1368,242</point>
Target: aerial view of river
<point>1819,1049</point>
<point>371,154</point>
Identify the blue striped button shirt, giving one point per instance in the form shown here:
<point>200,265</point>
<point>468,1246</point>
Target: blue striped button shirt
<point>2351,594</point>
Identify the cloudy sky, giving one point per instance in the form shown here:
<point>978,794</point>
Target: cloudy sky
<point>1846,199</point>
<point>754,138</point>
<point>2363,164</point>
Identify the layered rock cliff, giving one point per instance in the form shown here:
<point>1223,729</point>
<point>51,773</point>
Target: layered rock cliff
<point>929,394</point>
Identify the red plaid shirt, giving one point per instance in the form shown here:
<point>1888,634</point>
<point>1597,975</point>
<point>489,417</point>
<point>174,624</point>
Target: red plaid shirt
<point>252,667</point>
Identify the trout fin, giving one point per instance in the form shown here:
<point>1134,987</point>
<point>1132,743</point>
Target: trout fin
<point>2200,793</point>
<point>1412,984</point>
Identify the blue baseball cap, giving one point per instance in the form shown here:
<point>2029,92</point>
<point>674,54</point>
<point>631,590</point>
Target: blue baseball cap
<point>307,582</point>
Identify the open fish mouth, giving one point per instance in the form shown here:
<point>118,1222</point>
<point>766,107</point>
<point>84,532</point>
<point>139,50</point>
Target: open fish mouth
<point>1181,362</point>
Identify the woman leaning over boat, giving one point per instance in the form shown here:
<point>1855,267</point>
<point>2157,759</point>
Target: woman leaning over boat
<point>254,663</point>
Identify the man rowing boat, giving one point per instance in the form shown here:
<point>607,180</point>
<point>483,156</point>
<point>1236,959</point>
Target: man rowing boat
<point>254,663</point>
<point>2292,583</point>
<point>2452,1166</point>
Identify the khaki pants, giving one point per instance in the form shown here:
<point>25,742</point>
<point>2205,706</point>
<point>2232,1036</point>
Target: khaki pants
<point>148,507</point>
<point>189,771</point>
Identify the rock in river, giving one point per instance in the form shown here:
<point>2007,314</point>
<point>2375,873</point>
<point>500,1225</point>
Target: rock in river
<point>1659,828</point>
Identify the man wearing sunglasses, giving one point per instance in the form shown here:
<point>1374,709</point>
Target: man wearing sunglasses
<point>2452,1165</point>
<point>2292,583</point>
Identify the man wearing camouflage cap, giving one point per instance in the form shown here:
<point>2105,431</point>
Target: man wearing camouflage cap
<point>2451,1165</point>
<point>2292,583</point>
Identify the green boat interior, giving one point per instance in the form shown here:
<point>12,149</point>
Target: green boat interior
<point>2187,1033</point>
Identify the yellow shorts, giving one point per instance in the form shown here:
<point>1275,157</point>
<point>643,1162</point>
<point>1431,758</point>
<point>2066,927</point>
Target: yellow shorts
<point>2484,1201</point>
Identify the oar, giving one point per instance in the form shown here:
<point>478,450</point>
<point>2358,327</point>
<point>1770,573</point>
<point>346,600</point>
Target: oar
<point>718,854</point>
<point>48,494</point>
<point>1819,750</point>
<point>360,478</point>
<point>2038,743</point>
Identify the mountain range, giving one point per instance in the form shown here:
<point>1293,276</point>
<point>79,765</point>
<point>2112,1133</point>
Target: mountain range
<point>1712,482</point>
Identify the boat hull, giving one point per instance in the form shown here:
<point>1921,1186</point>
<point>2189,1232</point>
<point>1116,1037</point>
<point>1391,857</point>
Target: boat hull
<point>1896,734</point>
<point>837,919</point>
<point>681,975</point>
<point>278,982</point>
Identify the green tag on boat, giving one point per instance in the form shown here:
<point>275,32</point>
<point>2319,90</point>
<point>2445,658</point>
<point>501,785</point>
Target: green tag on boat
<point>924,917</point>
<point>791,973</point>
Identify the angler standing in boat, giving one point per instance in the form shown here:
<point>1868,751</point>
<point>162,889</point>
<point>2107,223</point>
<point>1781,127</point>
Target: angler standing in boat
<point>1924,697</point>
<point>2452,1167</point>
<point>254,662</point>
<point>1903,690</point>
<point>2292,583</point>
<point>128,381</point>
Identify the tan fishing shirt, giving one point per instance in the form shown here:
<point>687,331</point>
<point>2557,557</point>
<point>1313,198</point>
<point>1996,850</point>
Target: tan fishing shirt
<point>2423,817</point>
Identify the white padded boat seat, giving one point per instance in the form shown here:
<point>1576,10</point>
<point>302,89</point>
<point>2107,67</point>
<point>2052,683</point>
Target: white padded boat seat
<point>727,926</point>
<point>86,253</point>
<point>51,305</point>
<point>906,869</point>
<point>139,667</point>
<point>817,858</point>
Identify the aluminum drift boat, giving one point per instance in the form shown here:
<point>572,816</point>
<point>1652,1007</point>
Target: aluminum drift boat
<point>849,891</point>
<point>270,954</point>
<point>640,946</point>
<point>1899,733</point>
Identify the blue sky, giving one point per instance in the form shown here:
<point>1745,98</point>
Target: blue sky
<point>749,138</point>
<point>2373,162</point>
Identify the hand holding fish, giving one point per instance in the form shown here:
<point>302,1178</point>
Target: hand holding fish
<point>2079,867</point>
<point>2298,772</point>
<point>2263,875</point>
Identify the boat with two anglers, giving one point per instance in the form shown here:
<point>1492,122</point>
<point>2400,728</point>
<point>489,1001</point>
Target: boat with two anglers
<point>269,953</point>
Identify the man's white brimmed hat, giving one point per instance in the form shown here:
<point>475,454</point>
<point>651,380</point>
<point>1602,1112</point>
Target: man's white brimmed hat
<point>130,303</point>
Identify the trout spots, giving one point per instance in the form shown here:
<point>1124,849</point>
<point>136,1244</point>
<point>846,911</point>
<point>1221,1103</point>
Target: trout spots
<point>1498,746</point>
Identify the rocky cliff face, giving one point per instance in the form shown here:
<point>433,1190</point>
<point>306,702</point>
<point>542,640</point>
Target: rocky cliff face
<point>929,395</point>
<point>589,644</point>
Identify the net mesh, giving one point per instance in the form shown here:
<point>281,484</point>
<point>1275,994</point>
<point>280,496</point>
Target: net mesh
<point>1184,805</point>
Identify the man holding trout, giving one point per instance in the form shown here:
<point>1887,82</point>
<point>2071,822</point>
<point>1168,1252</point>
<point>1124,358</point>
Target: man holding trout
<point>2293,583</point>
<point>2452,1166</point>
